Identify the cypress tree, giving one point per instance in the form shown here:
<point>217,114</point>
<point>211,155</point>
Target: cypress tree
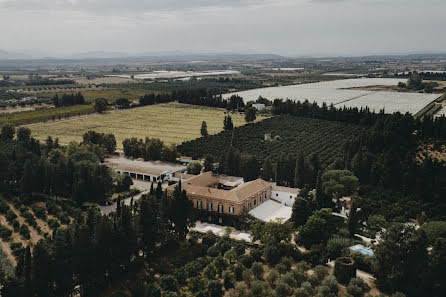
<point>299,172</point>
<point>27,271</point>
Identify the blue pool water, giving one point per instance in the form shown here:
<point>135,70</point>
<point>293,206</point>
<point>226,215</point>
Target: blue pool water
<point>365,252</point>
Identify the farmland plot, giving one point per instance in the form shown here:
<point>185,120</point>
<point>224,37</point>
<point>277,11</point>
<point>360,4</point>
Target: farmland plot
<point>338,93</point>
<point>294,134</point>
<point>392,102</point>
<point>173,123</point>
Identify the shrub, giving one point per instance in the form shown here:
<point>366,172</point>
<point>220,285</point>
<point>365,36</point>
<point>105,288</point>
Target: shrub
<point>168,283</point>
<point>344,269</point>
<point>257,289</point>
<point>287,262</point>
<point>247,261</point>
<point>288,279</point>
<point>272,254</point>
<point>53,223</point>
<point>362,262</point>
<point>192,268</point>
<point>15,225</point>
<point>299,275</point>
<point>10,215</point>
<point>257,270</point>
<point>238,270</point>
<point>308,288</point>
<point>331,282</point>
<point>63,217</point>
<point>301,292</point>
<point>324,291</point>
<point>5,232</point>
<point>280,268</point>
<point>209,239</point>
<point>40,212</point>
<point>240,290</point>
<point>357,287</point>
<point>228,279</point>
<point>52,207</point>
<point>247,276</point>
<point>272,277</point>
<point>215,288</point>
<point>4,207</point>
<point>210,271</point>
<point>282,289</point>
<point>336,246</point>
<point>24,231</point>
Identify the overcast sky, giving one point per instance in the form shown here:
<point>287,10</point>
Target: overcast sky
<point>287,27</point>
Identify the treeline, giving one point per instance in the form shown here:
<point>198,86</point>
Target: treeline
<point>74,172</point>
<point>424,74</point>
<point>105,141</point>
<point>424,128</point>
<point>149,149</point>
<point>362,116</point>
<point>68,100</point>
<point>37,80</point>
<point>96,251</point>
<point>198,96</point>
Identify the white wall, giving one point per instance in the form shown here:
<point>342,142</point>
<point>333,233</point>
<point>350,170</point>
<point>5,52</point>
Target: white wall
<point>284,197</point>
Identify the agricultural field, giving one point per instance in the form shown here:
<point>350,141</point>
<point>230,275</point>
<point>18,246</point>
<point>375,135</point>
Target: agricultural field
<point>24,222</point>
<point>173,123</point>
<point>292,135</point>
<point>44,114</point>
<point>346,93</point>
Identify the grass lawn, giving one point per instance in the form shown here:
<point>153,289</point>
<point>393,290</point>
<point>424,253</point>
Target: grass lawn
<point>173,123</point>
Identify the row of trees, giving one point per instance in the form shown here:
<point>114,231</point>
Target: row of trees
<point>68,100</point>
<point>149,149</point>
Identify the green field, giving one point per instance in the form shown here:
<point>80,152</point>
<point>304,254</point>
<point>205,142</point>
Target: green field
<point>173,123</point>
<point>293,134</point>
<point>44,114</point>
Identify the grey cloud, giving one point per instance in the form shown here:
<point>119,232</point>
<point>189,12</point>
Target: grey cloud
<point>124,5</point>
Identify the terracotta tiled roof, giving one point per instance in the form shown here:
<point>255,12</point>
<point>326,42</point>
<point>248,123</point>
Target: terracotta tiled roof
<point>202,186</point>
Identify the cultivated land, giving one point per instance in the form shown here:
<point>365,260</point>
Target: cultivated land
<point>44,114</point>
<point>349,93</point>
<point>173,123</point>
<point>292,134</point>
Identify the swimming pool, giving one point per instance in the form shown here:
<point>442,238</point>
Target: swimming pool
<point>362,249</point>
<point>365,252</point>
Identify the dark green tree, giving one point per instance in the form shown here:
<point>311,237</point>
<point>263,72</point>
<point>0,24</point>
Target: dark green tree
<point>8,132</point>
<point>227,123</point>
<point>299,175</point>
<point>204,129</point>
<point>100,105</point>
<point>250,115</point>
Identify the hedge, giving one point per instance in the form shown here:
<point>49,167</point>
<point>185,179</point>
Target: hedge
<point>344,269</point>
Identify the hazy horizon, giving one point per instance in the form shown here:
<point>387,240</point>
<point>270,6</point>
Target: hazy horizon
<point>313,28</point>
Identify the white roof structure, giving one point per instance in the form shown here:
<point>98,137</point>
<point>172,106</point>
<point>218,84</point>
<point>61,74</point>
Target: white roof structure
<point>270,211</point>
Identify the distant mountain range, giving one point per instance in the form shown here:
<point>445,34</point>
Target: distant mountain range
<point>14,59</point>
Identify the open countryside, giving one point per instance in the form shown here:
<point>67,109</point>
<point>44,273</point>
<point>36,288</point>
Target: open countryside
<point>172,123</point>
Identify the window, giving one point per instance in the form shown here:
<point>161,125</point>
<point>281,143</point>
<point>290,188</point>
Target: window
<point>231,209</point>
<point>255,201</point>
<point>199,204</point>
<point>277,194</point>
<point>264,195</point>
<point>249,204</point>
<point>220,208</point>
<point>209,206</point>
